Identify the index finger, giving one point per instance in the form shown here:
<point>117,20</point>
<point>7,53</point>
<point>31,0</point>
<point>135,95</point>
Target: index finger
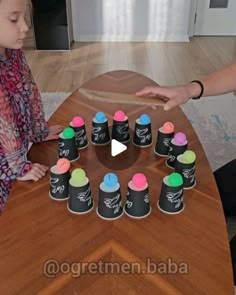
<point>144,92</point>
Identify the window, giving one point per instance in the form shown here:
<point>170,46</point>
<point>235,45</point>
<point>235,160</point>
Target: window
<point>219,3</point>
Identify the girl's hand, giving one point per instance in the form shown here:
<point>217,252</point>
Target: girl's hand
<point>54,132</point>
<point>37,172</point>
<point>175,95</point>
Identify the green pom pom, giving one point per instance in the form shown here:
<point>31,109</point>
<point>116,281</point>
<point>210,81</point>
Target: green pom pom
<point>78,174</point>
<point>175,179</point>
<point>78,177</point>
<point>188,157</point>
<point>68,133</point>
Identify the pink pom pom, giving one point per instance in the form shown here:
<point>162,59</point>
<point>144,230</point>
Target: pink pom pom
<point>139,180</point>
<point>168,127</point>
<point>63,165</point>
<point>78,121</point>
<point>119,116</point>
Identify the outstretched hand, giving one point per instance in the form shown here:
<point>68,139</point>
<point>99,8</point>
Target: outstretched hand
<point>174,95</point>
<point>54,132</point>
<point>35,173</point>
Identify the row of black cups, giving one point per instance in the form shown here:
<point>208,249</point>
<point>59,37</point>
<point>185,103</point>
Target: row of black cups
<point>137,205</point>
<point>80,200</point>
<point>120,129</point>
<point>175,148</point>
<point>74,137</point>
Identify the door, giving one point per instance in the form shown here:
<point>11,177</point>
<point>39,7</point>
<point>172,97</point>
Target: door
<point>215,17</point>
<point>50,24</point>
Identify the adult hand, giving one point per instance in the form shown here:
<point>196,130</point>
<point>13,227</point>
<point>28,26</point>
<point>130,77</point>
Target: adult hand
<point>54,132</point>
<point>175,95</point>
<point>35,173</point>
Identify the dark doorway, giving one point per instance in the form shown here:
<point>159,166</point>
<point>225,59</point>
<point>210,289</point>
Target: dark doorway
<point>51,24</point>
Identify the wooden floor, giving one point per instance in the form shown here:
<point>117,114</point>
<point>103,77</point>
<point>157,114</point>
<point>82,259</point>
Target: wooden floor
<point>166,63</point>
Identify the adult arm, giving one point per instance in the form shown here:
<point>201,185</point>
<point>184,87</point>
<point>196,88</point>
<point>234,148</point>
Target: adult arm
<point>219,82</point>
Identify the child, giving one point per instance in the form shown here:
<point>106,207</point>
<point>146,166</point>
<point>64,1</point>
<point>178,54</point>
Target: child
<point>21,110</point>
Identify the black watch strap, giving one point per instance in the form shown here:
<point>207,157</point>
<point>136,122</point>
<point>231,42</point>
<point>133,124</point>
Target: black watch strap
<point>202,88</point>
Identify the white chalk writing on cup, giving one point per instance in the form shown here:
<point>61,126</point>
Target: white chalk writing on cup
<point>79,136</point>
<point>61,144</point>
<point>175,198</point>
<point>113,203</point>
<point>171,158</point>
<point>56,188</point>
<point>97,135</point>
<point>141,133</point>
<point>85,196</point>
<point>63,152</point>
<point>82,139</point>
<point>178,204</point>
<point>146,198</point>
<point>129,204</point>
<point>117,208</point>
<point>123,130</point>
<point>166,141</point>
<point>80,133</point>
<point>189,173</point>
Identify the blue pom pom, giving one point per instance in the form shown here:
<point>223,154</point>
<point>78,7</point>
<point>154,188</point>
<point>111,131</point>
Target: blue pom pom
<point>100,117</point>
<point>144,119</point>
<point>110,179</point>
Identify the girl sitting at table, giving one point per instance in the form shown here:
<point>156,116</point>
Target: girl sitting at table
<point>21,111</point>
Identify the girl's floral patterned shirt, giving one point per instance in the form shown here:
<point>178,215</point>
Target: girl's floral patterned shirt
<point>21,119</point>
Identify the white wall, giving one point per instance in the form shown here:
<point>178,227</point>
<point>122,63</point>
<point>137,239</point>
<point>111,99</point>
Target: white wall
<point>131,20</point>
<point>193,10</point>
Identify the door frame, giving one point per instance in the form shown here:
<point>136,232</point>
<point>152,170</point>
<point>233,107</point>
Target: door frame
<point>192,17</point>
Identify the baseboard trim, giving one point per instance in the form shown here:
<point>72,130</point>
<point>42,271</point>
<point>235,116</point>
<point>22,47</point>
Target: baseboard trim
<point>128,38</point>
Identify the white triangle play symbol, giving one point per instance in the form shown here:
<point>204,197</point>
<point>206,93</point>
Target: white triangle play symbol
<point>117,148</point>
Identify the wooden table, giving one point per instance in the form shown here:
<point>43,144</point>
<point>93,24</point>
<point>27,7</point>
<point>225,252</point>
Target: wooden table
<point>35,229</point>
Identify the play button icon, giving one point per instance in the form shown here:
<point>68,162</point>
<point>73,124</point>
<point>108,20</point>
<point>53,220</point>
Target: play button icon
<point>116,155</point>
<point>117,147</point>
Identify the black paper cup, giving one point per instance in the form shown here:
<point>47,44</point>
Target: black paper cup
<point>109,205</point>
<point>142,135</point>
<point>120,131</point>
<point>163,143</point>
<point>81,140</point>
<point>171,198</point>
<point>80,200</point>
<point>100,133</point>
<point>67,149</point>
<point>59,184</point>
<point>137,203</point>
<point>174,152</point>
<point>187,171</point>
